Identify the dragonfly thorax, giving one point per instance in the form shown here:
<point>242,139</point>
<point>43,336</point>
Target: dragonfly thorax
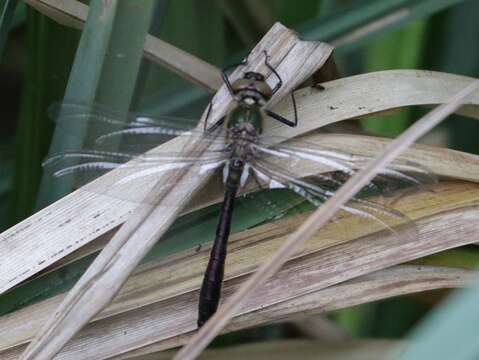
<point>244,124</point>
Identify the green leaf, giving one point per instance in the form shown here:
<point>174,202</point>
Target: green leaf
<point>352,28</point>
<point>398,50</point>
<point>7,11</point>
<point>467,258</point>
<point>203,35</point>
<point>357,320</point>
<point>239,15</point>
<point>452,46</point>
<point>450,332</point>
<point>293,14</point>
<point>105,69</point>
<point>46,72</point>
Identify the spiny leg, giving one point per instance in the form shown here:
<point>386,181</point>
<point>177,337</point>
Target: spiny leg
<point>283,119</point>
<point>275,89</point>
<point>208,112</point>
<point>270,67</point>
<point>224,74</point>
<point>216,125</point>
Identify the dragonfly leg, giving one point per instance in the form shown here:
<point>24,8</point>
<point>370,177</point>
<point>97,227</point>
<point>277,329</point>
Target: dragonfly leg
<point>275,89</point>
<point>282,119</point>
<point>295,109</point>
<point>216,125</point>
<point>210,106</point>
<point>270,67</point>
<point>224,74</point>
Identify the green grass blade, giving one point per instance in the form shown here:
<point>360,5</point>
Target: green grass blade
<point>389,15</point>
<point>203,35</point>
<point>45,78</point>
<point>450,332</point>
<point>466,258</point>
<point>7,11</point>
<point>292,14</point>
<point>397,50</point>
<point>105,68</point>
<point>242,20</point>
<point>453,47</point>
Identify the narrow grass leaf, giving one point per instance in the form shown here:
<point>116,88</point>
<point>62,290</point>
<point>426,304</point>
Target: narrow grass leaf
<point>7,11</point>
<point>319,218</point>
<point>104,71</point>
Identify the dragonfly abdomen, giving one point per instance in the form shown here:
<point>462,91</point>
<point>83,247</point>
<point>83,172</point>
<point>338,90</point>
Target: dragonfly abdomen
<point>210,292</point>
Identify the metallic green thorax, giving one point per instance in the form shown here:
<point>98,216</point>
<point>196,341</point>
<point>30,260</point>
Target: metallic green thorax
<point>243,114</point>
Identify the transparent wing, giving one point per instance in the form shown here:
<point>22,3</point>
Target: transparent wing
<point>129,181</point>
<point>309,157</point>
<point>104,141</point>
<point>315,173</point>
<point>98,127</point>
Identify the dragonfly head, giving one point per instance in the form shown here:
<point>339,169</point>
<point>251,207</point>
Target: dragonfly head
<point>252,88</point>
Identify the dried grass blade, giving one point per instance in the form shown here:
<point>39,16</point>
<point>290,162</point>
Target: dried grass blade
<point>370,349</point>
<point>56,227</point>
<point>318,219</point>
<point>144,312</point>
<point>296,60</point>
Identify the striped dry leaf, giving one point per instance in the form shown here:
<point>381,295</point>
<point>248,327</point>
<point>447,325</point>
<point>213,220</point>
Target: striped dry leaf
<point>438,160</point>
<point>295,60</point>
<point>158,303</point>
<point>321,216</point>
<point>297,349</point>
<point>343,99</point>
<point>56,227</point>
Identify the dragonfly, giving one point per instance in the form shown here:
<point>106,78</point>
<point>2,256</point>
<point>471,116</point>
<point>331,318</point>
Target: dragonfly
<point>248,158</point>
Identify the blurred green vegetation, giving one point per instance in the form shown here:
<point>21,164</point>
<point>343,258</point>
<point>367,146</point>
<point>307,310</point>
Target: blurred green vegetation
<point>39,55</point>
